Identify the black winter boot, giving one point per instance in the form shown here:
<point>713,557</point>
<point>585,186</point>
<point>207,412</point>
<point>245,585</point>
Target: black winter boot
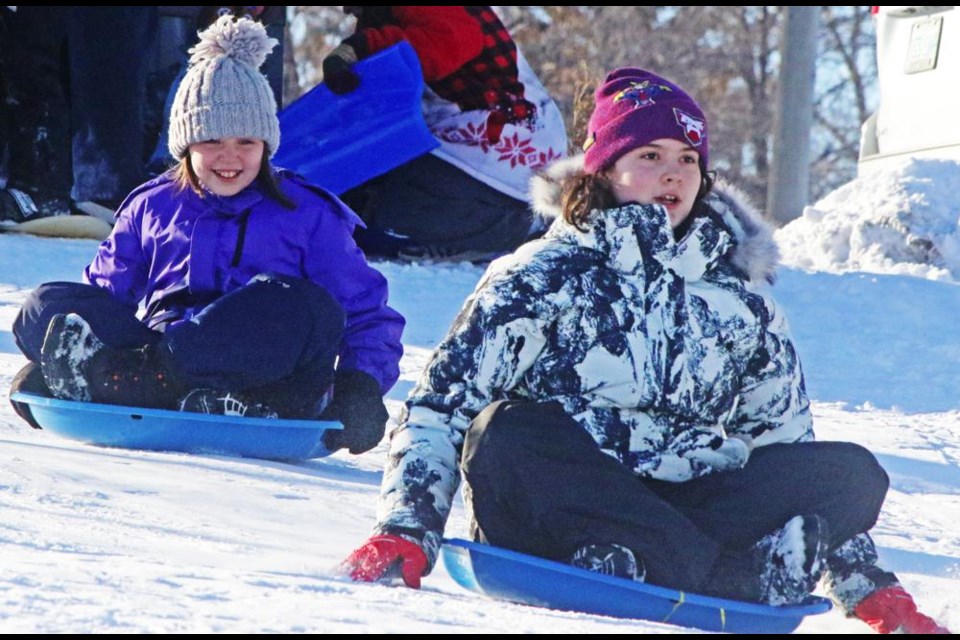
<point>16,206</point>
<point>30,380</point>
<point>782,568</point>
<point>610,560</point>
<point>77,365</point>
<point>224,403</point>
<point>796,556</point>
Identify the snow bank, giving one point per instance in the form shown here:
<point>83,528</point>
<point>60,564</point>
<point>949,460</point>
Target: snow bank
<point>902,220</point>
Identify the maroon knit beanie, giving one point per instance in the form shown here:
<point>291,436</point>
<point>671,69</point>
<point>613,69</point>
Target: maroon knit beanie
<point>635,107</point>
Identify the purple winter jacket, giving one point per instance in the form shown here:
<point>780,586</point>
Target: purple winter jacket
<point>178,252</point>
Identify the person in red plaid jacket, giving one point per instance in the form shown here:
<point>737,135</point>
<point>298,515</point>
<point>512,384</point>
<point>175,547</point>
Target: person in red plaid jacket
<point>496,123</point>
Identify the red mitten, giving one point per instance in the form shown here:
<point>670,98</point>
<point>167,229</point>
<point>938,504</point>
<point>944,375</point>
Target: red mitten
<point>892,610</point>
<point>382,554</point>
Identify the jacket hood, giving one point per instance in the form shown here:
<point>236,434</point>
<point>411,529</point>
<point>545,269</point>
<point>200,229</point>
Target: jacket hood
<point>754,251</point>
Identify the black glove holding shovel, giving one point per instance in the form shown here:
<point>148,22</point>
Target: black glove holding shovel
<point>338,73</point>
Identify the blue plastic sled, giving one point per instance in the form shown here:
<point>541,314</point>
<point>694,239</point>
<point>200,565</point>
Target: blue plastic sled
<point>516,577</point>
<point>159,430</point>
<point>340,142</point>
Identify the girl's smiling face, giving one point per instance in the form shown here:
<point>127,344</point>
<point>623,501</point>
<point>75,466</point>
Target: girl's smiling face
<point>227,166</point>
<point>664,172</point>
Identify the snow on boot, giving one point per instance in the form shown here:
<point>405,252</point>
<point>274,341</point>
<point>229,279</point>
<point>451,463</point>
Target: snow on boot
<point>77,365</point>
<point>610,560</point>
<point>68,345</point>
<point>783,567</point>
<point>892,610</point>
<point>795,558</point>
<point>224,403</point>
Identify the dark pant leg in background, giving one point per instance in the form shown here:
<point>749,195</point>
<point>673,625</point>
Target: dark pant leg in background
<point>35,109</point>
<point>110,49</point>
<point>114,322</point>
<point>274,19</point>
<point>276,338</point>
<point>431,203</point>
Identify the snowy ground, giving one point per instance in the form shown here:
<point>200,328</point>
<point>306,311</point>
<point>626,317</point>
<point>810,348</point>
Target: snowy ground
<point>109,540</point>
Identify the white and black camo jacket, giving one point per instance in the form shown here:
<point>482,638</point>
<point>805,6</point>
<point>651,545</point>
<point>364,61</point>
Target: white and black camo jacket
<point>660,349</point>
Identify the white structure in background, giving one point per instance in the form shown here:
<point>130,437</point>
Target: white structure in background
<point>918,59</point>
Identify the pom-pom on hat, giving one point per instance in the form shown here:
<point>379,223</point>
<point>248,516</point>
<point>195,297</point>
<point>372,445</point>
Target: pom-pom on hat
<point>634,107</point>
<point>224,94</point>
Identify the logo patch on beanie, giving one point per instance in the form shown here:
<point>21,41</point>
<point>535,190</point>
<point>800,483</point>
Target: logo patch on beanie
<point>591,138</point>
<point>692,127</point>
<point>642,93</point>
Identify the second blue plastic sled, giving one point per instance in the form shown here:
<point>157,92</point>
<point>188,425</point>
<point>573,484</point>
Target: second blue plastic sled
<point>340,142</point>
<point>516,577</point>
<point>159,430</point>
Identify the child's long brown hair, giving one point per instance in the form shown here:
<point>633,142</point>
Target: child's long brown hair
<point>186,178</point>
<point>582,194</point>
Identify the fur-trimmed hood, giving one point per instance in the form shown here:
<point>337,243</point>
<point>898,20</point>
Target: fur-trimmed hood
<point>755,251</point>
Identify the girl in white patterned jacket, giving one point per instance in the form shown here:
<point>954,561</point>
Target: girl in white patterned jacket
<point>624,394</point>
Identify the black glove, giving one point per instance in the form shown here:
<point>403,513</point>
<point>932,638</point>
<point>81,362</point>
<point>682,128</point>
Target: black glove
<point>337,72</point>
<point>358,405</point>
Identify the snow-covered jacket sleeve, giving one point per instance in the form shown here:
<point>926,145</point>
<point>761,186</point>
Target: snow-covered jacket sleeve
<point>371,341</point>
<point>773,406</point>
<point>120,266</point>
<point>496,337</point>
<point>445,38</point>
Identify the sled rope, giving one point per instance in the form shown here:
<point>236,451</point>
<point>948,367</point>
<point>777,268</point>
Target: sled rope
<point>682,600</point>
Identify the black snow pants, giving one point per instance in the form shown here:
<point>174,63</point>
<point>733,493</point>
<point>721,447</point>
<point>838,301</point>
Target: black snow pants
<point>539,484</point>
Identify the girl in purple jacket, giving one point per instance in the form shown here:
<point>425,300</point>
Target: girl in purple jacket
<point>255,299</point>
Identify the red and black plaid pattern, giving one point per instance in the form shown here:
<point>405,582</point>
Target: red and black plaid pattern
<point>491,80</point>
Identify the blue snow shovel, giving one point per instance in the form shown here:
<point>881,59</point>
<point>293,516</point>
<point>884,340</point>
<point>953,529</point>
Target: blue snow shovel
<point>340,142</point>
